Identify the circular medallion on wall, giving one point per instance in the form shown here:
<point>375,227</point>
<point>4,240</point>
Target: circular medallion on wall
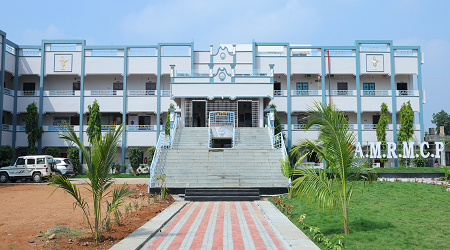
<point>222,56</point>
<point>222,76</point>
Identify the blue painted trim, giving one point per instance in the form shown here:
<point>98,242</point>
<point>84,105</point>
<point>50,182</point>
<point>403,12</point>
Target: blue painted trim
<point>272,44</point>
<point>233,79</point>
<point>358,92</point>
<point>253,54</point>
<point>234,55</point>
<point>406,47</point>
<point>322,58</point>
<point>289,108</point>
<point>192,55</point>
<point>158,93</point>
<point>82,73</point>
<point>225,48</point>
<point>105,47</point>
<point>221,69</point>
<point>14,118</point>
<point>372,41</point>
<point>41,94</point>
<point>63,41</point>
<point>223,83</point>
<point>124,113</point>
<point>2,33</point>
<point>394,98</point>
<point>29,47</point>
<point>2,77</point>
<point>11,43</point>
<point>419,85</point>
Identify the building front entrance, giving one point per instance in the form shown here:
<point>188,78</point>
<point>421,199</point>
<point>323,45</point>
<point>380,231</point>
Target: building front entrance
<point>199,114</point>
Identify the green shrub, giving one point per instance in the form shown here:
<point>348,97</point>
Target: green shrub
<point>55,152</point>
<point>135,155</point>
<point>6,156</point>
<point>74,156</point>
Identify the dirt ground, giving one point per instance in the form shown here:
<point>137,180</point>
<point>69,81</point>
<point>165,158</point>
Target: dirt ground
<point>27,211</point>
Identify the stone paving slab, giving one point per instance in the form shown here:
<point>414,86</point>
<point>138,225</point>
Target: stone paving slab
<point>219,225</point>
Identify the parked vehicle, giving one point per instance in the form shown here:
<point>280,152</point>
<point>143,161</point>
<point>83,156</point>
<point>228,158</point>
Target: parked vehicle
<point>34,167</point>
<point>64,167</point>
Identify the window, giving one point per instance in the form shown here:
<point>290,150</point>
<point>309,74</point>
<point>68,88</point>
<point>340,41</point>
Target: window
<point>76,86</point>
<point>118,86</point>
<point>20,161</point>
<point>29,86</point>
<point>31,161</point>
<point>41,161</point>
<point>369,88</point>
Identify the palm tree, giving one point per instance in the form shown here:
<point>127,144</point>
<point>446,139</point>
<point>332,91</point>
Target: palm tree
<point>334,147</point>
<point>99,160</point>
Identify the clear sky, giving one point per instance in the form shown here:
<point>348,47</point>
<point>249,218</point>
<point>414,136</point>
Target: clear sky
<point>318,22</point>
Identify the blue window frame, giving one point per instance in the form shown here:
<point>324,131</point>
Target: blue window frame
<point>369,88</point>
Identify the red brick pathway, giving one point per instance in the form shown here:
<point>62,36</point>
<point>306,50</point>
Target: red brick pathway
<point>217,225</point>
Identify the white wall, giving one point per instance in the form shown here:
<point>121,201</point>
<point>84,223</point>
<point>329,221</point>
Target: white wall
<point>62,104</point>
<point>140,139</point>
<point>10,62</point>
<point>262,62</point>
<point>107,103</point>
<point>181,63</point>
<point>104,65</point>
<point>244,57</point>
<point>22,103</point>
<point>137,82</point>
<point>386,61</point>
<point>406,65</point>
<point>29,65</point>
<point>306,65</point>
<point>201,57</point>
<point>142,65</point>
<point>219,90</point>
<point>50,59</point>
<point>100,82</point>
<point>60,82</point>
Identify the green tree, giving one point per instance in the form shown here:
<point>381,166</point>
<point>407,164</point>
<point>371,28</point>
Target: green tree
<point>94,130</point>
<point>381,130</point>
<point>441,119</point>
<point>277,122</point>
<point>167,124</point>
<point>406,131</point>
<point>135,155</point>
<point>6,155</point>
<point>55,152</point>
<point>99,160</point>
<point>150,153</point>
<point>73,154</point>
<point>32,128</point>
<point>334,146</point>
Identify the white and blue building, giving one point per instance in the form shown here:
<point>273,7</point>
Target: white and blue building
<point>136,84</point>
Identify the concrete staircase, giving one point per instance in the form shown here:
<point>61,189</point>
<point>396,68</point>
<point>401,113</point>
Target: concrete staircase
<point>251,163</point>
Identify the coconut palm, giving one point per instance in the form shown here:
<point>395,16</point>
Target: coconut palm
<point>334,147</point>
<point>99,159</point>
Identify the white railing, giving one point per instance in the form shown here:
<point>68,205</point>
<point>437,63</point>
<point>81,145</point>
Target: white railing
<point>415,126</point>
<point>369,126</point>
<point>251,72</point>
<point>61,92</point>
<point>277,140</point>
<point>221,118</point>
<point>303,127</point>
<point>280,92</point>
<point>141,92</point>
<point>164,142</point>
<point>195,72</point>
<point>7,127</point>
<point>141,127</point>
<point>28,93</point>
<point>311,165</point>
<point>306,92</point>
<point>20,128</point>
<point>57,128</point>
<point>342,92</point>
<point>104,92</point>
<point>165,92</point>
<point>7,91</point>
<point>107,127</point>
<point>376,92</point>
<point>407,92</point>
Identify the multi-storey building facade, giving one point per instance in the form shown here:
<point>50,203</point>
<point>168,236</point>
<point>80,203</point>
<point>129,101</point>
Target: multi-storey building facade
<point>136,85</point>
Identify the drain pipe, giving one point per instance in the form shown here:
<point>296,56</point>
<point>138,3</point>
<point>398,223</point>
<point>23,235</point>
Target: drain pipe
<point>329,78</point>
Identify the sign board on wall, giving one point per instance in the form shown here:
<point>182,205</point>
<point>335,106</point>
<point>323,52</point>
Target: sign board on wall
<point>374,63</point>
<point>63,63</point>
<point>133,119</point>
<point>222,132</point>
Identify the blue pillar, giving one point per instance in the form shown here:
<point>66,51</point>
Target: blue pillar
<point>322,60</point>
<point>2,77</point>
<point>358,92</point>
<point>82,96</point>
<point>14,118</point>
<point>41,94</point>
<point>124,113</point>
<point>158,94</point>
<point>394,98</point>
<point>289,108</point>
<point>233,66</point>
<point>419,85</point>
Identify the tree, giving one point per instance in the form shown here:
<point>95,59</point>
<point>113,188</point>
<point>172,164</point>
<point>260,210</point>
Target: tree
<point>99,160</point>
<point>150,153</point>
<point>135,155</point>
<point>73,154</point>
<point>441,119</point>
<point>55,152</point>
<point>406,131</point>
<point>167,124</point>
<point>334,146</point>
<point>32,128</point>
<point>94,130</point>
<point>277,122</point>
<point>6,155</point>
<point>381,130</point>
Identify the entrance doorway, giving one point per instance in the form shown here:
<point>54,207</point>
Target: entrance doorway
<point>245,114</point>
<point>199,114</point>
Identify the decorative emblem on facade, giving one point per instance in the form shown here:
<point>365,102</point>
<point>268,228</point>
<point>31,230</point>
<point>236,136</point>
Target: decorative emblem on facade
<point>63,62</point>
<point>222,56</point>
<point>374,61</point>
<point>221,131</point>
<point>222,76</point>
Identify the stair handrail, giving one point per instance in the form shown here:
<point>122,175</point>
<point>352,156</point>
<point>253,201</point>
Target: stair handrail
<point>165,142</point>
<point>276,140</point>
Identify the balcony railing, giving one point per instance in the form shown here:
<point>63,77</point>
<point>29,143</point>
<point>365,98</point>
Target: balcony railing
<point>305,92</point>
<point>415,126</point>
<point>107,127</point>
<point>374,126</point>
<point>61,93</point>
<point>165,92</point>
<point>141,92</point>
<point>195,72</point>
<point>280,92</point>
<point>343,92</point>
<point>271,53</point>
<point>20,128</point>
<point>141,127</point>
<point>376,92</point>
<point>6,127</point>
<point>7,91</point>
<point>251,72</point>
<point>103,92</point>
<point>57,128</point>
<point>303,127</point>
<point>28,93</point>
<point>407,93</point>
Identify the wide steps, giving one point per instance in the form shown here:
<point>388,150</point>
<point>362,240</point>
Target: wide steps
<point>222,194</point>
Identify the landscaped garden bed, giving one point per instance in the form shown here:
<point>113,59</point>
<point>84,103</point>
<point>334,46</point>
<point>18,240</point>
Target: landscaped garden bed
<point>387,215</point>
<point>28,214</point>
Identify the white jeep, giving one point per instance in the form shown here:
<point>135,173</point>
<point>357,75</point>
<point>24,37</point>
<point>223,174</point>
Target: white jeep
<point>34,167</point>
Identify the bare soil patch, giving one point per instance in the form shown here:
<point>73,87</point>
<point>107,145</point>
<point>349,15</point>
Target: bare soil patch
<point>27,211</point>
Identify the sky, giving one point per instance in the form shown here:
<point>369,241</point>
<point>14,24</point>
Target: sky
<point>320,22</point>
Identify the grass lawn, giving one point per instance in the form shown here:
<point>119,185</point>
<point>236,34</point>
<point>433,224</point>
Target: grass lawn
<point>388,215</point>
<point>116,176</point>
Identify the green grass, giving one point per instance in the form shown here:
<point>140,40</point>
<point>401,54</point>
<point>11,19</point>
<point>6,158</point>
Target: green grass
<point>62,231</point>
<point>388,215</point>
<point>116,176</point>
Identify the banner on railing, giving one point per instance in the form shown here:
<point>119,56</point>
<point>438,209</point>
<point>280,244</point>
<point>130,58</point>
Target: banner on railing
<point>221,132</point>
